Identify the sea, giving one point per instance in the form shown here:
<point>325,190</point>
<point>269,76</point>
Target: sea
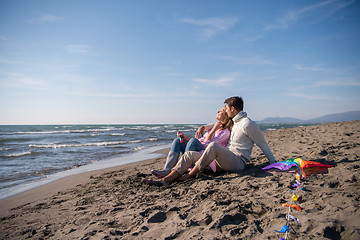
<point>33,155</point>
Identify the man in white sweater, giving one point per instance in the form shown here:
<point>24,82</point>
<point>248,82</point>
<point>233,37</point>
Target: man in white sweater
<point>244,134</point>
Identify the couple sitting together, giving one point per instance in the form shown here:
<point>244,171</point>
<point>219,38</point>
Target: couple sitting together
<point>226,145</point>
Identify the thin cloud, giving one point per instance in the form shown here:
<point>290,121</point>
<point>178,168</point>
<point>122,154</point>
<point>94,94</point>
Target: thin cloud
<point>251,38</point>
<point>212,26</point>
<point>311,97</point>
<point>78,49</point>
<point>15,80</point>
<point>11,62</point>
<point>219,82</point>
<point>253,60</point>
<point>302,67</point>
<point>169,71</point>
<point>293,16</point>
<point>319,96</point>
<point>46,17</point>
<point>340,82</point>
<point>136,93</point>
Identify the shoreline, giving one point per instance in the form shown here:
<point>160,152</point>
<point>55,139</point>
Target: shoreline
<point>144,154</point>
<point>48,189</point>
<point>114,203</point>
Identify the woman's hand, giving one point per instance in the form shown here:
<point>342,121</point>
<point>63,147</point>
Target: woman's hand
<point>200,132</point>
<point>216,127</point>
<point>183,136</point>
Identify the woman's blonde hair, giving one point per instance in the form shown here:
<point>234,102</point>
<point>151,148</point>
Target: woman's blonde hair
<point>228,123</point>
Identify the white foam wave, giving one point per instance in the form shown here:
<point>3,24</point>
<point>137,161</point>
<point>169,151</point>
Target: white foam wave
<point>171,131</point>
<point>5,149</point>
<point>151,139</point>
<point>66,131</point>
<point>19,154</point>
<point>188,130</point>
<point>144,127</point>
<point>138,149</point>
<point>96,144</point>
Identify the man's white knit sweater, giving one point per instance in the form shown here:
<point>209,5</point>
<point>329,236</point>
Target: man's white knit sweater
<point>244,134</point>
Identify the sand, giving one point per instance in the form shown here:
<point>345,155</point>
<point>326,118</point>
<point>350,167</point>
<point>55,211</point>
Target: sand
<point>114,204</point>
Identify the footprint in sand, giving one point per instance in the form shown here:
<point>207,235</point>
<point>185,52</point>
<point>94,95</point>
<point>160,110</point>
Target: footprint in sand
<point>157,217</point>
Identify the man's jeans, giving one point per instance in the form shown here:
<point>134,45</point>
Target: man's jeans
<point>225,159</point>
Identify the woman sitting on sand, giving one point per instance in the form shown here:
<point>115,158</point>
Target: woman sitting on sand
<point>219,133</point>
<point>244,134</point>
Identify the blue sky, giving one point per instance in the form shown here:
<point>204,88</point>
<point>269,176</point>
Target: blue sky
<point>163,61</point>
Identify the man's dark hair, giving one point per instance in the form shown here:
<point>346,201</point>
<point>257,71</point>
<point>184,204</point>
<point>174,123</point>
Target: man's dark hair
<point>236,102</point>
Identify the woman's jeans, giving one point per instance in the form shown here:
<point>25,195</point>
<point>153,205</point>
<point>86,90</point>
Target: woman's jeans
<point>193,145</point>
<point>178,147</point>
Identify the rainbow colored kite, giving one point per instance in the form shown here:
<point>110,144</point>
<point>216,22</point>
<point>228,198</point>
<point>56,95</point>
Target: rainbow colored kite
<point>302,168</point>
<point>305,168</point>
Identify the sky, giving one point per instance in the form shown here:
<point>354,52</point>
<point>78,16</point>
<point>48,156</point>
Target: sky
<point>176,61</point>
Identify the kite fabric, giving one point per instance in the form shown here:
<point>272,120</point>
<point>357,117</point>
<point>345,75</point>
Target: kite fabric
<point>284,229</point>
<point>305,168</point>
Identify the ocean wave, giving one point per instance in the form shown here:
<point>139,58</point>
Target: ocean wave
<point>137,149</point>
<point>171,131</point>
<point>152,139</point>
<point>144,127</point>
<point>188,130</point>
<point>66,131</point>
<point>13,140</point>
<point>117,134</point>
<point>19,154</point>
<point>96,144</point>
<point>5,149</point>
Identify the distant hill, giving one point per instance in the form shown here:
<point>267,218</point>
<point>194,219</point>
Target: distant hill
<point>336,117</point>
<point>280,120</point>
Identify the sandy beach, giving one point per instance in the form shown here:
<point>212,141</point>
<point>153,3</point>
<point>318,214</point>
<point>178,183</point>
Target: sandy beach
<point>115,204</point>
